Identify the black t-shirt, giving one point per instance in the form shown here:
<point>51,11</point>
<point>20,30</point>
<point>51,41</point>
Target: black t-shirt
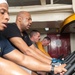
<point>5,46</point>
<point>13,31</point>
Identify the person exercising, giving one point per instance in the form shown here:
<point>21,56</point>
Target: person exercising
<point>7,67</point>
<point>32,58</point>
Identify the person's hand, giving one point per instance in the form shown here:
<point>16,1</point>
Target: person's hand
<point>62,73</point>
<point>60,69</point>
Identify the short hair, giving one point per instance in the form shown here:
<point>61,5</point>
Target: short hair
<point>33,32</point>
<point>48,38</point>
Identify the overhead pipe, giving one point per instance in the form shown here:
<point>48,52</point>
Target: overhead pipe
<point>51,2</point>
<point>73,4</point>
<point>43,2</point>
<point>53,7</point>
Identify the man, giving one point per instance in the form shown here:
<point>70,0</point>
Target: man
<point>16,34</point>
<point>44,43</point>
<point>35,38</point>
<point>18,38</point>
<point>7,67</point>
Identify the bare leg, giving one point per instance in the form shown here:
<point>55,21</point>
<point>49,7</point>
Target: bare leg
<point>10,68</point>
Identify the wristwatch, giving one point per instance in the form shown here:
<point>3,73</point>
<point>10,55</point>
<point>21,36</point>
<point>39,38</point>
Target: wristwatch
<point>52,68</point>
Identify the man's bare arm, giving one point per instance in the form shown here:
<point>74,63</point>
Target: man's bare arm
<point>27,61</point>
<point>31,63</point>
<point>9,68</point>
<point>21,45</point>
<point>40,53</point>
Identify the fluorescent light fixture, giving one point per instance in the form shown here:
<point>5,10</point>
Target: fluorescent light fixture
<point>46,29</point>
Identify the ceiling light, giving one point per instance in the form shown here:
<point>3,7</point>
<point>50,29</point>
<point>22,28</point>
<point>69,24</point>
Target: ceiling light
<point>46,29</point>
